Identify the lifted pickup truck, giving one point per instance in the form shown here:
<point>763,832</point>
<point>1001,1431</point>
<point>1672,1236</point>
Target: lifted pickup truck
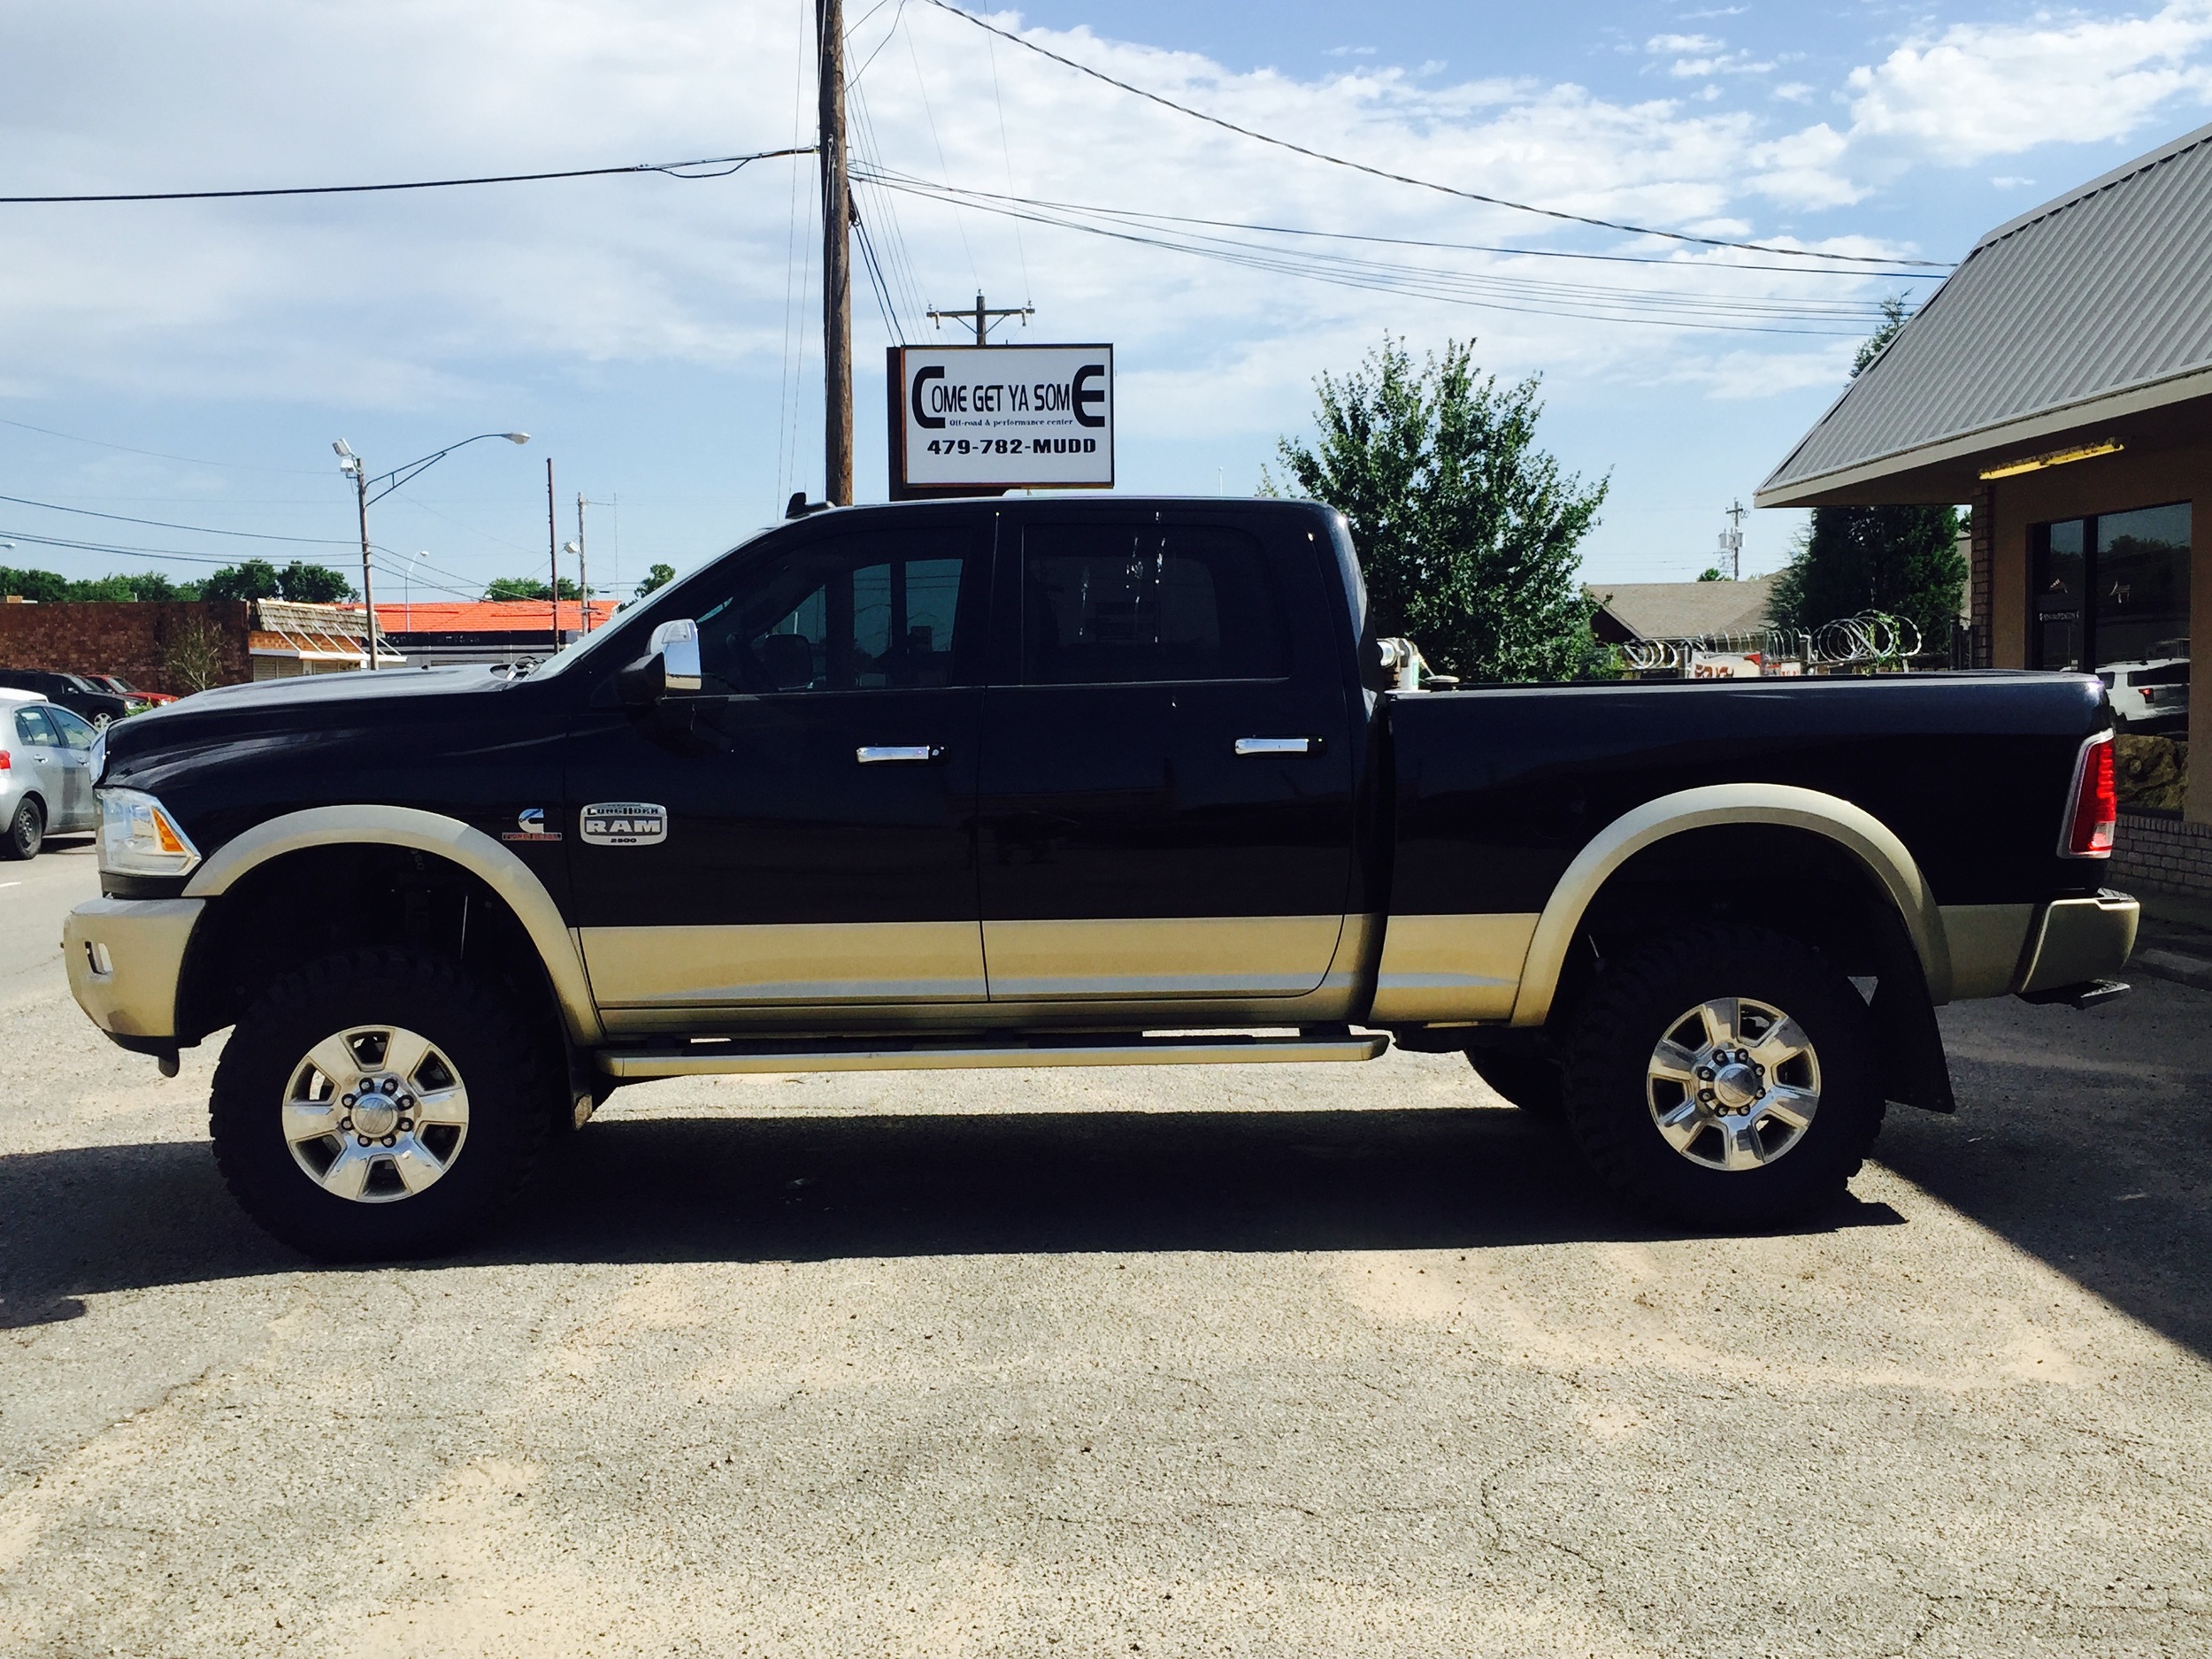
<point>1086,782</point>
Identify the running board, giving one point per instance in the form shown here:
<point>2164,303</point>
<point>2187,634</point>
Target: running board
<point>878,1054</point>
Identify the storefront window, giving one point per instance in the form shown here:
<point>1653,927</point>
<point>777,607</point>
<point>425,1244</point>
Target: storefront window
<point>2111,594</point>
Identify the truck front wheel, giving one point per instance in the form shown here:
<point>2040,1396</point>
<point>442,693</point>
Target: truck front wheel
<point>1724,1078</point>
<point>380,1104</point>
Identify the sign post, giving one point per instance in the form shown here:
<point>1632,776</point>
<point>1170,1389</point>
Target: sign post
<point>978,421</point>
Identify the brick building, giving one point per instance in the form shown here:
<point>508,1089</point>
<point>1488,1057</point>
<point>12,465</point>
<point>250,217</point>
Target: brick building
<point>156,645</point>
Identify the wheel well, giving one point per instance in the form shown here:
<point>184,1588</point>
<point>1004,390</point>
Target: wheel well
<point>311,904</point>
<point>1794,881</point>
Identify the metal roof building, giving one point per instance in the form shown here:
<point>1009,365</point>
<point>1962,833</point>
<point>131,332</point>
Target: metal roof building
<point>2093,310</point>
<point>2059,382</point>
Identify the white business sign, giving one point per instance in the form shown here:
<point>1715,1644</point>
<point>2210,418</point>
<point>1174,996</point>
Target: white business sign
<point>982,418</point>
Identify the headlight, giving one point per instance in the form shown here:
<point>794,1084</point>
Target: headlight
<point>139,837</point>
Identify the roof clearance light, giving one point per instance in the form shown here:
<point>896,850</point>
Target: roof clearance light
<point>2096,802</point>
<point>2056,457</point>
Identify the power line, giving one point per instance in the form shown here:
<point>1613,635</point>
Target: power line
<point>1401,178</point>
<point>200,529</point>
<point>673,169</point>
<point>159,455</point>
<point>1528,296</point>
<point>1137,216</point>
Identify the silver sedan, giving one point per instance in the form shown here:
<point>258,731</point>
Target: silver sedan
<point>45,774</point>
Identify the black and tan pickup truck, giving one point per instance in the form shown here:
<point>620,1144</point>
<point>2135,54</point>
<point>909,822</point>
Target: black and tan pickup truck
<point>1097,781</point>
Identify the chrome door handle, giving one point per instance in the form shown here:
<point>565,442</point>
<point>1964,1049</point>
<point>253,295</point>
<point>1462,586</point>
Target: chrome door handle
<point>1277,745</point>
<point>882,754</point>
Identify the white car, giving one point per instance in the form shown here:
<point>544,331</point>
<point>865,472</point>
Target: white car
<point>2149,695</point>
<point>45,774</point>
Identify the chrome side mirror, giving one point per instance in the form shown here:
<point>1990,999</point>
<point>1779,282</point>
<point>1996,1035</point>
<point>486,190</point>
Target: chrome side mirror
<point>678,644</point>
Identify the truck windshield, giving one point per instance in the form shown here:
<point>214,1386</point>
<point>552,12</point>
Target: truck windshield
<point>578,649</point>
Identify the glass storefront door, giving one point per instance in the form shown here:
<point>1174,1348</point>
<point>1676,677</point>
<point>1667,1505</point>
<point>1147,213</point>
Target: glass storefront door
<point>2110,594</point>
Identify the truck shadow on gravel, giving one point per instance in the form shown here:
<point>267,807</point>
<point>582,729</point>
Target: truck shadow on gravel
<point>2085,1140</point>
<point>98,1219</point>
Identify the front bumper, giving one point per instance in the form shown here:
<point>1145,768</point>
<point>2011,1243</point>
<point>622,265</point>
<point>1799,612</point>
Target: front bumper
<point>123,957</point>
<point>2076,941</point>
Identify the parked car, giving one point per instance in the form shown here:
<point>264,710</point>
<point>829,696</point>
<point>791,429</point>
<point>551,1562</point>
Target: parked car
<point>1083,782</point>
<point>45,774</point>
<point>2148,696</point>
<point>129,693</point>
<point>72,692</point>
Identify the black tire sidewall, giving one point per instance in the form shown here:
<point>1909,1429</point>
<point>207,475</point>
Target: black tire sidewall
<point>1638,1000</point>
<point>507,1081</point>
<point>27,830</point>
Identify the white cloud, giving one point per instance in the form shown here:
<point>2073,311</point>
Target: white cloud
<point>1980,90</point>
<point>408,301</point>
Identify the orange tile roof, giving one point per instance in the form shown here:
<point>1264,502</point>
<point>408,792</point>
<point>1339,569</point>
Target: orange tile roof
<point>484,616</point>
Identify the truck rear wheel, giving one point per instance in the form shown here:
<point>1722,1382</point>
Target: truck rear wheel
<point>380,1104</point>
<point>1724,1078</point>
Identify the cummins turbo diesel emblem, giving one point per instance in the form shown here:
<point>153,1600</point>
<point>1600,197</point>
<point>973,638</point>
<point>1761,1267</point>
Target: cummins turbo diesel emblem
<point>530,826</point>
<point>625,824</point>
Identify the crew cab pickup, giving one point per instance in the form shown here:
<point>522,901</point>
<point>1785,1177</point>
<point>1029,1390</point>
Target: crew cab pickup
<point>1094,781</point>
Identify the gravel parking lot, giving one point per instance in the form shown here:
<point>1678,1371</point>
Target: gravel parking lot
<point>1328,1360</point>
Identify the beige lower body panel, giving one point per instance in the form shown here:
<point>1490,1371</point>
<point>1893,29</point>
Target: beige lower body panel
<point>1340,995</point>
<point>142,942</point>
<point>1156,957</point>
<point>1448,969</point>
<point>783,966</point>
<point>1985,941</point>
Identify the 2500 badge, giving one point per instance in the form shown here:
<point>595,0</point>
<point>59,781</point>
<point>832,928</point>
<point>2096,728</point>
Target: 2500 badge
<point>624,824</point>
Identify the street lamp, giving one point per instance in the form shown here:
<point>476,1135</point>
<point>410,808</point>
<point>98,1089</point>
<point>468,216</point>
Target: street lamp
<point>352,466</point>
<point>583,585</point>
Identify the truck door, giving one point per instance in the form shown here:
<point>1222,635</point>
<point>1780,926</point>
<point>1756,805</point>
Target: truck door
<point>1166,794</point>
<point>802,833</point>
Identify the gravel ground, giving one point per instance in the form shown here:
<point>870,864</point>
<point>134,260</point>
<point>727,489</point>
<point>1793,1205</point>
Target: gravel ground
<point>1330,1359</point>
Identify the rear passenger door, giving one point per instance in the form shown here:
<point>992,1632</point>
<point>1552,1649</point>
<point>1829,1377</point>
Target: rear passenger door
<point>1166,791</point>
<point>38,740</point>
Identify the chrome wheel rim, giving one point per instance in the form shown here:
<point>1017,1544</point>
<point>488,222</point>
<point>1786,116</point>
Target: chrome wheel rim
<point>375,1114</point>
<point>1733,1084</point>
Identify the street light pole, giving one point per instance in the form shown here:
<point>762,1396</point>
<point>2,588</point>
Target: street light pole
<point>351,464</point>
<point>583,574</point>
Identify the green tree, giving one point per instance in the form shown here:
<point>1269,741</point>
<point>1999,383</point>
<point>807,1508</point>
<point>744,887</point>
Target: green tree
<point>1902,560</point>
<point>658,576</point>
<point>256,579</point>
<point>1466,530</point>
<point>40,587</point>
<point>525,587</point>
<point>1713,573</point>
<point>312,584</point>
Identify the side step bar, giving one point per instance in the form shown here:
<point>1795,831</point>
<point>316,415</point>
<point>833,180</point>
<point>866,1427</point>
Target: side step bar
<point>885,1054</point>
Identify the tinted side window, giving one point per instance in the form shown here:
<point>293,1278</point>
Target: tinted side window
<point>1113,604</point>
<point>76,731</point>
<point>849,613</point>
<point>31,727</point>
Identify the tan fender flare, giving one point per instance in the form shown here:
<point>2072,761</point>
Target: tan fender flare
<point>1851,827</point>
<point>449,839</point>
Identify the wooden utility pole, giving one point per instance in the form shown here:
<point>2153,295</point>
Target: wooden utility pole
<point>981,317</point>
<point>837,292</point>
<point>553,552</point>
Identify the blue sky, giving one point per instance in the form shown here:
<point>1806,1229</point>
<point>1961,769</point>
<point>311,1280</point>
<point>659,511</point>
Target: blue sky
<point>659,338</point>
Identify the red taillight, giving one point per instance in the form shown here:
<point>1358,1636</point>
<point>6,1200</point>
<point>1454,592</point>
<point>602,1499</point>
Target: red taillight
<point>6,760</point>
<point>2096,802</point>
